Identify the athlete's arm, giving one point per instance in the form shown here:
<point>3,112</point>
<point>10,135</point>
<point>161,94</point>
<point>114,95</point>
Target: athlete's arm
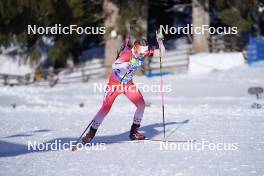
<point>161,51</point>
<point>119,64</point>
<point>122,61</point>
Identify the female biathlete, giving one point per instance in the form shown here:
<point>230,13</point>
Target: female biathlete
<point>120,82</point>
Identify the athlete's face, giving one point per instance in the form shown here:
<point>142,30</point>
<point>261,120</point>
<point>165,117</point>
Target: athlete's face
<point>140,51</point>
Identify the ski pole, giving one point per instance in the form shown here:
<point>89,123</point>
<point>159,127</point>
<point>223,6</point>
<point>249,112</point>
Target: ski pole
<point>162,98</point>
<point>162,93</point>
<point>75,145</point>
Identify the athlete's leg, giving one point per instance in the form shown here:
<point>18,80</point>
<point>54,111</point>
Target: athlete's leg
<point>111,93</point>
<point>136,97</point>
<point>109,98</point>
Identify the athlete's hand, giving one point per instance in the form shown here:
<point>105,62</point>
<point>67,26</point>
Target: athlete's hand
<point>156,53</point>
<point>159,36</point>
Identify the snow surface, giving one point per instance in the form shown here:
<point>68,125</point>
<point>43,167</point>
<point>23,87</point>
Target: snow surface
<point>214,107</point>
<point>13,65</point>
<point>208,62</point>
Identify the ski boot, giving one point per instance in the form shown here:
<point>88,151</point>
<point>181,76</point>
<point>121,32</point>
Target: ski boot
<point>89,136</point>
<point>135,134</point>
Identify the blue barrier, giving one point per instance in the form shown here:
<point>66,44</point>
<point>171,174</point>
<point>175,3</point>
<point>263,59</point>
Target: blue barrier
<point>151,75</point>
<point>255,50</point>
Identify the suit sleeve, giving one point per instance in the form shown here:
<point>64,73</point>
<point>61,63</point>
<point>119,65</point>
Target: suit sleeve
<point>122,61</point>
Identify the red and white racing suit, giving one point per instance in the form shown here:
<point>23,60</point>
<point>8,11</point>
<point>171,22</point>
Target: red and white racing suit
<point>120,82</point>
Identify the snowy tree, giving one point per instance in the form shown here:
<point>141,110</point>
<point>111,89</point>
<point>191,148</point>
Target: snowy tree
<point>200,17</point>
<point>118,16</point>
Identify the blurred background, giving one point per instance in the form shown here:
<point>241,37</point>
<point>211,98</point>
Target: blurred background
<point>52,59</point>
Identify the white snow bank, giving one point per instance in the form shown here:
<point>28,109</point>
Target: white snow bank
<point>207,62</point>
<point>13,65</point>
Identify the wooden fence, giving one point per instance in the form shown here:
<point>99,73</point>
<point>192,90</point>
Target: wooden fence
<point>80,73</point>
<point>225,43</point>
<point>13,80</point>
<point>174,62</point>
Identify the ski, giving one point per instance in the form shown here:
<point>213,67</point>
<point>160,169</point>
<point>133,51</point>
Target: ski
<point>146,141</point>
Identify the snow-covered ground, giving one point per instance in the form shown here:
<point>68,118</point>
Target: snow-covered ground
<point>14,65</point>
<point>213,107</point>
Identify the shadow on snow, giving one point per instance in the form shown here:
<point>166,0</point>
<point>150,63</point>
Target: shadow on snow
<point>9,149</point>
